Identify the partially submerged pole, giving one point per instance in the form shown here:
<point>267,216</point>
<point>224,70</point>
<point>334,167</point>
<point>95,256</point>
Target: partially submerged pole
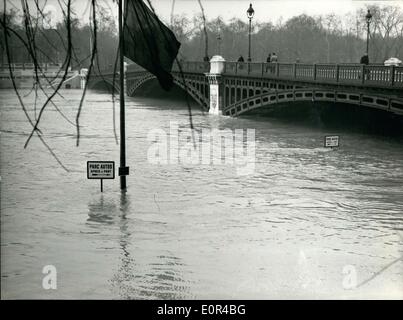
<point>123,170</point>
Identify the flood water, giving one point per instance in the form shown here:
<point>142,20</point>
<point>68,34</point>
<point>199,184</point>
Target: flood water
<point>309,222</point>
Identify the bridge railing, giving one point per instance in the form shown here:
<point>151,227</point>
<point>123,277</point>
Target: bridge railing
<point>352,73</point>
<point>326,72</point>
<point>30,66</point>
<point>192,66</point>
<point>334,73</point>
<point>398,75</point>
<point>379,74</point>
<point>187,66</point>
<point>304,71</point>
<point>356,74</point>
<point>230,67</point>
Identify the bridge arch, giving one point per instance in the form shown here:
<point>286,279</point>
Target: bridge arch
<point>275,97</point>
<point>191,86</point>
<point>97,82</point>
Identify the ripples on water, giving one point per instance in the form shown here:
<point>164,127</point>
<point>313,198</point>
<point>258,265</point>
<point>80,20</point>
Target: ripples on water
<point>286,231</point>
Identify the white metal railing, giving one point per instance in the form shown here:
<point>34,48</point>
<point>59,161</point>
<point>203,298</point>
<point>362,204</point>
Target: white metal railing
<point>358,74</point>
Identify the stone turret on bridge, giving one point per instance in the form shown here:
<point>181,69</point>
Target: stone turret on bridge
<point>217,68</point>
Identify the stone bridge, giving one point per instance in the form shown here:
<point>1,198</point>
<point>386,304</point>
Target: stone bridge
<point>233,88</point>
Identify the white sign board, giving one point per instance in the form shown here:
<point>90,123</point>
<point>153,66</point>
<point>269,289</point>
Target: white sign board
<point>100,169</point>
<point>214,102</point>
<point>331,141</point>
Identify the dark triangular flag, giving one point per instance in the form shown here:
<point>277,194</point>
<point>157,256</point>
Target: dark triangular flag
<point>148,42</point>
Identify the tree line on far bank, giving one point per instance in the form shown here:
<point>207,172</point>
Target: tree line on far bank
<point>303,38</point>
<point>321,39</point>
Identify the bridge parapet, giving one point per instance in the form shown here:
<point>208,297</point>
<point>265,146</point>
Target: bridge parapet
<point>192,66</point>
<point>356,74</point>
<point>186,66</point>
<point>350,74</point>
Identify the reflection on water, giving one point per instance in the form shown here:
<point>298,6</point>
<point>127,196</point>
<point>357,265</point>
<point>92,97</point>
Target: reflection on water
<point>103,211</point>
<point>187,232</point>
<point>162,279</point>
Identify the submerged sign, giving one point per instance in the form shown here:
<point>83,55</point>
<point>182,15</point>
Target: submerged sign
<point>331,141</point>
<point>100,169</point>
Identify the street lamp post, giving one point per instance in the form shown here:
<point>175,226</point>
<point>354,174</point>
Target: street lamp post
<point>219,44</point>
<point>368,17</point>
<point>250,13</point>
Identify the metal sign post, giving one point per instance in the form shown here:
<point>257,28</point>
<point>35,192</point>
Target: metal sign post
<point>123,170</point>
<point>101,170</point>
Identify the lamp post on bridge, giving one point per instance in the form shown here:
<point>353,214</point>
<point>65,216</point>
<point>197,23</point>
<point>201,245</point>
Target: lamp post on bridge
<point>368,17</point>
<point>219,44</point>
<point>250,13</point>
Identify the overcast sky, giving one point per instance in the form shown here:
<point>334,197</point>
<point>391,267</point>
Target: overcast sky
<point>265,10</point>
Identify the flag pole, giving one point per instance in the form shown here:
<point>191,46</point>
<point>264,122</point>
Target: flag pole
<point>123,170</point>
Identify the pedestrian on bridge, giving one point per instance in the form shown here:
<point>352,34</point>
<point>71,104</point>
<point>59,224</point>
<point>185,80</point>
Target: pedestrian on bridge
<point>268,60</point>
<point>365,61</point>
<point>241,59</point>
<point>273,59</point>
